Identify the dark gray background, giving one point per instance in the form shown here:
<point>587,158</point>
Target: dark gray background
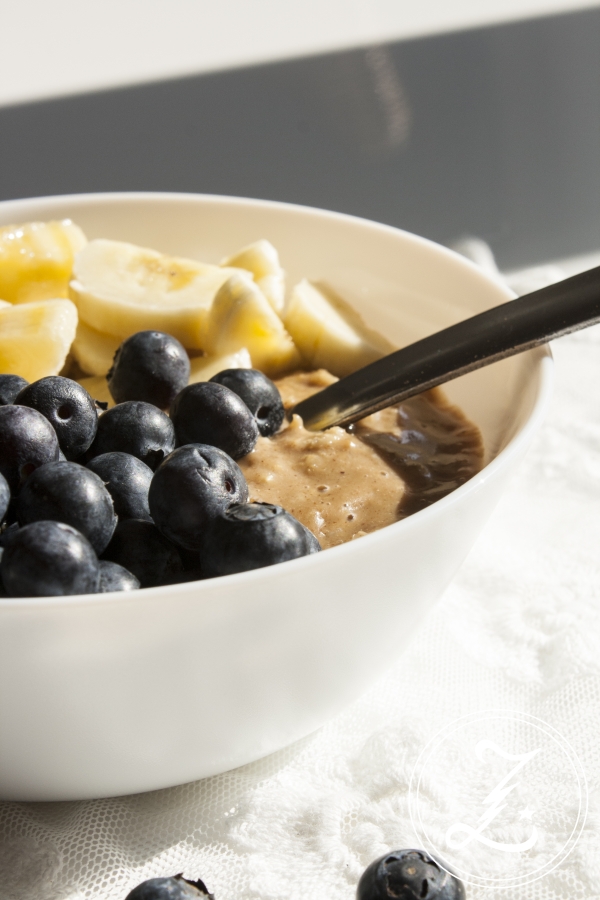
<point>493,132</point>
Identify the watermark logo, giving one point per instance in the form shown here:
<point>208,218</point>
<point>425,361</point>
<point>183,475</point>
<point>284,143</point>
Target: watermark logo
<point>499,798</point>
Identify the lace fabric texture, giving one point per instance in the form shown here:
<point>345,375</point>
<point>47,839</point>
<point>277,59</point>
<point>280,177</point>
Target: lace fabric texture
<point>518,629</point>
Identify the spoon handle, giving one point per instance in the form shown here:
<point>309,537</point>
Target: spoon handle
<point>478,341</point>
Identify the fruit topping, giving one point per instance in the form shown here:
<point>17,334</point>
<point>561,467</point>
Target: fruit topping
<point>135,427</point>
<point>97,388</point>
<point>140,548</point>
<point>69,409</point>
<point>312,542</point>
<point>329,333</point>
<point>114,577</point>
<point>27,440</point>
<point>70,493</point>
<point>258,393</point>
<point>93,350</point>
<point>4,497</point>
<point>251,535</point>
<point>10,385</point>
<point>36,259</point>
<point>48,559</point>
<point>202,368</point>
<point>149,366</point>
<point>120,289</point>
<point>408,875</point>
<point>262,260</point>
<point>193,486</point>
<point>209,413</point>
<point>35,337</point>
<point>127,480</point>
<point>240,316</point>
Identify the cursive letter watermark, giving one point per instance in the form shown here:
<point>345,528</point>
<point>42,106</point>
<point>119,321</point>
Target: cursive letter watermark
<point>530,820</point>
<point>495,801</point>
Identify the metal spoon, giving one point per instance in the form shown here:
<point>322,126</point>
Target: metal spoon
<point>483,339</point>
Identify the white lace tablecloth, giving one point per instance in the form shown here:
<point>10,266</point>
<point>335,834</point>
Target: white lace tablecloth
<point>518,629</point>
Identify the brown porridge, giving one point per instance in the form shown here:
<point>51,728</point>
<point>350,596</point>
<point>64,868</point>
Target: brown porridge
<point>343,484</point>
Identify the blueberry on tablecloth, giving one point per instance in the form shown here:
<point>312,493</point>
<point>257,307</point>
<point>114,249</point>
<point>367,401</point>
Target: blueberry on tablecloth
<point>175,888</point>
<point>408,875</point>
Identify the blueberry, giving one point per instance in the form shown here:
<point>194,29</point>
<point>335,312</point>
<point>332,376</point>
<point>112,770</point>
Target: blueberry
<point>177,888</point>
<point>27,440</point>
<point>114,577</point>
<point>70,493</point>
<point>191,488</point>
<point>207,413</point>
<point>10,385</point>
<point>252,535</point>
<point>49,559</point>
<point>259,394</point>
<point>4,496</point>
<point>135,427</point>
<point>7,533</point>
<point>312,541</point>
<point>139,546</point>
<point>149,366</point>
<point>127,480</point>
<point>69,409</point>
<point>408,875</point>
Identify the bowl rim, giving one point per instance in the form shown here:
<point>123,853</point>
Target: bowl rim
<point>514,447</point>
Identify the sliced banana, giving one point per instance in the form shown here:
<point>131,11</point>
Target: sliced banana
<point>97,387</point>
<point>241,317</point>
<point>204,367</point>
<point>262,260</point>
<point>93,350</point>
<point>120,289</point>
<point>329,333</point>
<point>36,260</point>
<point>35,337</point>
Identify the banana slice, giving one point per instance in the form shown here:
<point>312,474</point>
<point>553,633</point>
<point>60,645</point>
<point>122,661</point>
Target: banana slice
<point>120,288</point>
<point>204,367</point>
<point>241,317</point>
<point>36,260</point>
<point>35,337</point>
<point>93,350</point>
<point>329,333</point>
<point>262,260</point>
<point>97,387</point>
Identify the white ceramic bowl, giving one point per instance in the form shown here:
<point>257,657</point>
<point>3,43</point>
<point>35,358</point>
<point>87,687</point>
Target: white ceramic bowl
<point>112,694</point>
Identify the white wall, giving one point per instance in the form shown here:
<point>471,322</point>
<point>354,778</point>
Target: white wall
<point>53,47</point>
